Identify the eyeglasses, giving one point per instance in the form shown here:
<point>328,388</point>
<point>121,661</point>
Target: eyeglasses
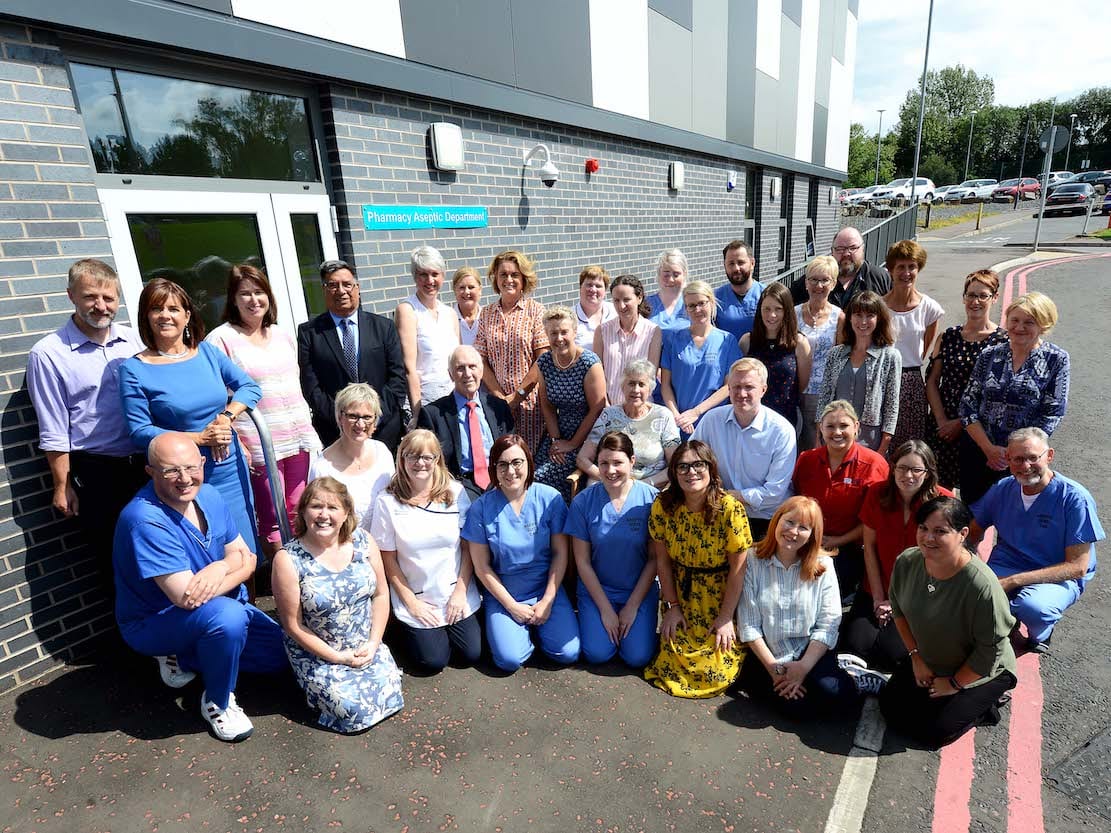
<point>1029,459</point>
<point>979,296</point>
<point>791,523</point>
<point>340,286</point>
<point>175,472</point>
<point>697,466</point>
<point>355,419</point>
<point>516,465</point>
<point>698,305</point>
<point>425,459</point>
<point>917,471</point>
<point>819,281</point>
<point>845,250</point>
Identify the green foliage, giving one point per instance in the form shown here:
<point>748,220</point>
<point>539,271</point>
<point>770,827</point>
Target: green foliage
<point>862,158</point>
<point>937,168</point>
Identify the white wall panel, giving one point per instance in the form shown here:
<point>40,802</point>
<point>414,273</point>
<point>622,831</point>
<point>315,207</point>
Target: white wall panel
<point>619,55</point>
<point>840,101</point>
<point>767,36</point>
<point>367,24</point>
<point>808,63</point>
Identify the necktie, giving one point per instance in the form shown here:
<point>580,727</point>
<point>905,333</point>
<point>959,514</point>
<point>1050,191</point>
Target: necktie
<point>349,349</point>
<point>478,453</point>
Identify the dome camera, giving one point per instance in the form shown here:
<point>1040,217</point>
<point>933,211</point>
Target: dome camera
<point>548,172</point>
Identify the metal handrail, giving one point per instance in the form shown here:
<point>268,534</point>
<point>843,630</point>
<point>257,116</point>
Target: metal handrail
<point>270,460</point>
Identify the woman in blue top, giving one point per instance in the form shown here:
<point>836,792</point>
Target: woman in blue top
<point>180,383</point>
<point>608,526</point>
<point>694,362</point>
<point>519,552</point>
<point>666,305</point>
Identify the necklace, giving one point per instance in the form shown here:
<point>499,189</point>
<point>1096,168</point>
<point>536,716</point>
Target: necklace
<point>931,585</point>
<point>180,355</point>
<point>563,366</point>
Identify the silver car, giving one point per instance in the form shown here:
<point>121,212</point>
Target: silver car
<point>972,190</point>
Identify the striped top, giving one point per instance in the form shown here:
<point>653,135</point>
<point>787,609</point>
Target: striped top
<point>274,367</point>
<point>619,348</point>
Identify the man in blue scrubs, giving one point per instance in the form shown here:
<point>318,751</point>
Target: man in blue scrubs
<point>180,564</point>
<point>737,299</point>
<point>1046,527</point>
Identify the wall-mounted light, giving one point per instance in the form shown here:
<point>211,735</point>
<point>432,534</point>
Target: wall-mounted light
<point>675,174</point>
<point>447,146</point>
<point>548,173</point>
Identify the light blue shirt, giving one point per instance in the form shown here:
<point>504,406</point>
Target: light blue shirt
<point>697,373</point>
<point>787,612</point>
<point>463,414</point>
<point>618,540</point>
<point>520,545</point>
<point>756,461</point>
<point>736,315</point>
<point>679,320</point>
<point>351,321</point>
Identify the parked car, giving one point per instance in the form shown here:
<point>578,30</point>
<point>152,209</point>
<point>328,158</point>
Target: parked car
<point>1107,204</point>
<point>898,190</point>
<point>862,196</point>
<point>845,193</point>
<point>941,194</point>
<point>972,190</point>
<point>1097,179</point>
<point>1070,198</point>
<point>1056,176</point>
<point>1028,188</point>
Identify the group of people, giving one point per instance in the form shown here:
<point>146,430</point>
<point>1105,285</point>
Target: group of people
<point>698,482</point>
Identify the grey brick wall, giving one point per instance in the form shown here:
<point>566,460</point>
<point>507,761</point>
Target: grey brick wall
<point>49,216</point>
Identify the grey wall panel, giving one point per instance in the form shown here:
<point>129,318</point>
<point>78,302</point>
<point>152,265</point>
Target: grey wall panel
<point>669,72</point>
<point>790,37</point>
<point>741,74</point>
<point>840,15</point>
<point>766,100</point>
<point>793,10</point>
<point>821,124</point>
<point>680,11</point>
<point>469,36</point>
<point>222,6</point>
<point>826,37</point>
<point>709,93</point>
<point>551,46</point>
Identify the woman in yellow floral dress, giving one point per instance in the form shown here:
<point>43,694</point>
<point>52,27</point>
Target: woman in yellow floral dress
<point>701,538</point>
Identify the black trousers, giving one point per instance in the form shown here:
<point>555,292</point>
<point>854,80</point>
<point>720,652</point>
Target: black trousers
<point>976,477</point>
<point>431,648</point>
<point>911,711</point>
<point>758,527</point>
<point>862,635</point>
<point>104,485</point>
<point>849,566</point>
<point>830,691</point>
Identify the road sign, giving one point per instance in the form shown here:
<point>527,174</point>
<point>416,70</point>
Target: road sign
<point>1058,135</point>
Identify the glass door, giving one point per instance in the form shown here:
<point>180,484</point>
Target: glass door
<point>194,237</point>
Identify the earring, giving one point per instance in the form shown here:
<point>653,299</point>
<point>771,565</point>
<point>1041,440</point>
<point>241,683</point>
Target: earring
<point>186,334</point>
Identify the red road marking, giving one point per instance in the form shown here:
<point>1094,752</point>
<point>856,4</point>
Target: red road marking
<point>954,786</point>
<point>1024,751</point>
<point>1019,274</point>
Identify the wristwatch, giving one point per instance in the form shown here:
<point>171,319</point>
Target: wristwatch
<point>956,686</point>
<point>228,414</point>
<point>521,392</point>
<point>780,670</point>
<point>668,605</point>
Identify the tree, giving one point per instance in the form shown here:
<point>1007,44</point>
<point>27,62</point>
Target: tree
<point>862,158</point>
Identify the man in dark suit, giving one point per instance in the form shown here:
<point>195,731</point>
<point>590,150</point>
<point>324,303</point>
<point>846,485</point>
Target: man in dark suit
<point>345,345</point>
<point>454,418</point>
<point>854,274</point>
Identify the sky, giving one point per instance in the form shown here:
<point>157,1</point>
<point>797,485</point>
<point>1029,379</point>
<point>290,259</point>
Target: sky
<point>999,38</point>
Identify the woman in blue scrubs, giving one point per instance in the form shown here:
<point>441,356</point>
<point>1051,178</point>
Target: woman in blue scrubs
<point>519,552</point>
<point>608,526</point>
<point>695,361</point>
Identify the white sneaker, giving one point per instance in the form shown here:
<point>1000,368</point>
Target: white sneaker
<point>867,681</point>
<point>229,724</point>
<point>845,660</point>
<point>173,674</point>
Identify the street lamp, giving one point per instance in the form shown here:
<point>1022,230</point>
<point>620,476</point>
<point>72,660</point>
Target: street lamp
<point>968,154</point>
<point>1072,121</point>
<point>921,108</point>
<point>879,144</point>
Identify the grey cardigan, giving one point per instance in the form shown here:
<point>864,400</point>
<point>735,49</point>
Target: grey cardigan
<point>883,369</point>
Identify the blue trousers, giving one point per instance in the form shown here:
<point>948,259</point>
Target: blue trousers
<point>640,643</point>
<point>217,639</point>
<point>511,643</point>
<point>1041,606</point>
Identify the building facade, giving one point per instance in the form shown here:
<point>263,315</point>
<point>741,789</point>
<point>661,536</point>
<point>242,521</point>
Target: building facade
<point>174,138</point>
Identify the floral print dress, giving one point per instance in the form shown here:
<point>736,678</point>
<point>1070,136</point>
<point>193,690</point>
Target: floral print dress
<point>336,606</point>
<point>690,665</point>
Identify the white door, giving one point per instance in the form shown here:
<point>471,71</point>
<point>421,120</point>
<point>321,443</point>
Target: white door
<point>193,237</point>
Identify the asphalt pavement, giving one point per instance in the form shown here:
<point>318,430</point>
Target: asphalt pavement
<point>105,747</point>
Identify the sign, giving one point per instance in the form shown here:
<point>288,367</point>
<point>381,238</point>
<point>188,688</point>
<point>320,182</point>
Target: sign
<point>1058,135</point>
<point>378,217</point>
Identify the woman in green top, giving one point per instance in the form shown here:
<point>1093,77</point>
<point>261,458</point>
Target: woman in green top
<point>955,621</point>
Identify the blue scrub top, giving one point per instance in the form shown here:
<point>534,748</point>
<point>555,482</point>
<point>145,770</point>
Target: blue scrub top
<point>678,321</point>
<point>736,315</point>
<point>695,374</point>
<point>618,542</point>
<point>154,540</point>
<point>1029,539</point>
<point>520,545</point>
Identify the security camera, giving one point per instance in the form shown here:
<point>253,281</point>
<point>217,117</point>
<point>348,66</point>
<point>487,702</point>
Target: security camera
<point>548,172</point>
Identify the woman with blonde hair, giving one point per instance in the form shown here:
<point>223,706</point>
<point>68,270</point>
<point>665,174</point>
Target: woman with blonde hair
<point>818,320</point>
<point>466,283</point>
<point>666,308</point>
<point>416,523</point>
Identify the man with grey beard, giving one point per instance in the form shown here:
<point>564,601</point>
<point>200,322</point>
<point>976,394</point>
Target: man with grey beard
<point>854,275</point>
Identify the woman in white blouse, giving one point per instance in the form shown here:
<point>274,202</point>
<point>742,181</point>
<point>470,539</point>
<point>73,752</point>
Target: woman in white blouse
<point>466,283</point>
<point>416,525</point>
<point>789,616</point>
<point>592,309</point>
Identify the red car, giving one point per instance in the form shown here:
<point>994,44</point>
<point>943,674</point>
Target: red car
<point>1027,187</point>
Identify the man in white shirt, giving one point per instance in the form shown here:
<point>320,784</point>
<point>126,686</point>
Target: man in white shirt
<point>754,445</point>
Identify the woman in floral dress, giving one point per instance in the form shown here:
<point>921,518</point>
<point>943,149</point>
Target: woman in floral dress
<point>333,603</point>
<point>701,538</point>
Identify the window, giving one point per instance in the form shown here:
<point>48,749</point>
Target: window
<point>811,215</point>
<point>752,209</point>
<point>140,123</point>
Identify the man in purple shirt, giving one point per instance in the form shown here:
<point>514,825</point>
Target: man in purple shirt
<point>72,379</point>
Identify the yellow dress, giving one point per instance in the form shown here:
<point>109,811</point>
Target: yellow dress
<point>690,665</point>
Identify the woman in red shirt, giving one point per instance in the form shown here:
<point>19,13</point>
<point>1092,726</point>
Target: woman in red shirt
<point>837,474</point>
<point>889,528</point>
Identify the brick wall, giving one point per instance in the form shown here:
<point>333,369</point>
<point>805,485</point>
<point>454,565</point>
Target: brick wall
<point>49,216</point>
